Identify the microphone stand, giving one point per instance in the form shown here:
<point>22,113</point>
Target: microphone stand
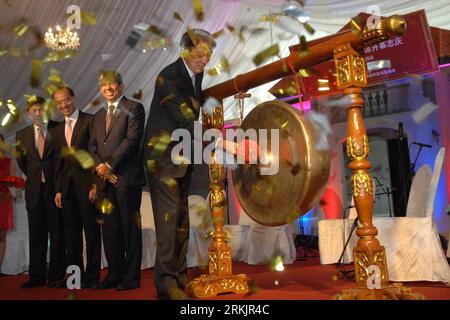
<point>387,192</point>
<point>415,161</point>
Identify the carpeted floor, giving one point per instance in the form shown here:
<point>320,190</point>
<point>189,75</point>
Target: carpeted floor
<point>303,280</point>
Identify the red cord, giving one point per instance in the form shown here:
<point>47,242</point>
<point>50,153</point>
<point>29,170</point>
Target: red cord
<point>297,82</point>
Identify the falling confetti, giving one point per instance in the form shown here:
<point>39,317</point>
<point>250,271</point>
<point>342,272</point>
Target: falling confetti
<point>276,263</point>
<point>155,30</point>
<point>217,34</point>
<point>158,144</point>
<point>303,49</point>
<point>36,70</point>
<point>138,95</point>
<point>71,296</point>
<point>423,112</point>
<point>187,111</point>
<point>170,182</point>
<point>266,54</point>
<point>88,18</point>
<point>20,29</point>
<point>83,157</point>
<point>106,206</point>
<point>198,8</point>
<point>272,18</point>
<point>308,28</point>
<point>177,16</point>
<point>356,25</point>
<point>221,67</point>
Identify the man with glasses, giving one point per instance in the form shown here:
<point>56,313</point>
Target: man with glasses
<point>176,103</point>
<point>115,143</point>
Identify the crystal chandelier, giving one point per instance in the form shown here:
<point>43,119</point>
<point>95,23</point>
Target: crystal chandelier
<point>61,40</point>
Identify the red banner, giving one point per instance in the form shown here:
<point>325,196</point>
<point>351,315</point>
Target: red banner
<point>412,53</point>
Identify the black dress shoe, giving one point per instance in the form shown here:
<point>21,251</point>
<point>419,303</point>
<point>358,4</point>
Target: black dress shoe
<point>32,284</point>
<point>107,284</point>
<point>57,284</point>
<point>128,286</point>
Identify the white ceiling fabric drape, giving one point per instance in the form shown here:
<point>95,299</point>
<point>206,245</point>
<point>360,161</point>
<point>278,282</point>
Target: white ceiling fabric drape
<point>104,44</point>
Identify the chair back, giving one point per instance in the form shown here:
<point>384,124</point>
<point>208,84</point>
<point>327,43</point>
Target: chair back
<point>418,195</point>
<point>198,210</point>
<point>438,163</point>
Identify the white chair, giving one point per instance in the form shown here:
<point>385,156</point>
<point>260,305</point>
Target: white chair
<point>413,248</point>
<point>265,243</point>
<point>418,194</point>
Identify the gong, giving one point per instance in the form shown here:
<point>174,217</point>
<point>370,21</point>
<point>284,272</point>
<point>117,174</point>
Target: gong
<point>303,168</point>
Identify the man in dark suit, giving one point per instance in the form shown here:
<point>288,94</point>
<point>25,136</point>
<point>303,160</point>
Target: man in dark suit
<point>36,160</point>
<point>175,105</point>
<point>75,188</point>
<point>115,143</point>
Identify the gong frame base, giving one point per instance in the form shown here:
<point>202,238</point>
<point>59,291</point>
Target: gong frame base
<point>395,291</point>
<point>211,285</point>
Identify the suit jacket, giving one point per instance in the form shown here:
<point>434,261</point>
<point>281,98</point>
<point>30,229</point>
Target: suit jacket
<point>32,165</point>
<point>120,145</point>
<point>173,89</point>
<point>68,168</point>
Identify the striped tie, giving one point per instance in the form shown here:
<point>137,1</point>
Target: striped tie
<point>109,117</point>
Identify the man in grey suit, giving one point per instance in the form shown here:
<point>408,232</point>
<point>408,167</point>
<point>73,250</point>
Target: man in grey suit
<point>114,144</point>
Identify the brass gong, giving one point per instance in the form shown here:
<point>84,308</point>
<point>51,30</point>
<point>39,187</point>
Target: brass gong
<point>274,200</point>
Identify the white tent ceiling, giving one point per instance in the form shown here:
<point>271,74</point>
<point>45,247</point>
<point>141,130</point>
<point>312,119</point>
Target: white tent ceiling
<point>104,45</point>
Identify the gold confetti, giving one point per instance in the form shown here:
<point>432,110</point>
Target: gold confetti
<point>168,216</point>
<point>266,54</point>
<point>305,73</point>
<point>217,34</point>
<point>138,95</point>
<point>155,30</point>
<point>36,70</point>
<point>53,56</point>
<point>170,182</point>
<point>3,52</point>
<point>88,18</point>
<point>231,28</point>
<point>71,296</point>
<point>187,111</point>
<point>106,206</point>
<point>20,29</point>
<point>159,143</point>
<point>83,157</point>
<point>156,44</point>
<point>356,25</point>
<point>198,8</point>
<point>303,47</point>
<point>177,16</point>
<point>221,67</point>
<point>276,263</point>
<point>272,18</point>
<point>308,28</point>
<point>99,221</point>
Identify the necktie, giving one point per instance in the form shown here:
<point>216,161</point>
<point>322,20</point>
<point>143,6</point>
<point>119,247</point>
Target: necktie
<point>41,144</point>
<point>68,131</point>
<point>109,118</point>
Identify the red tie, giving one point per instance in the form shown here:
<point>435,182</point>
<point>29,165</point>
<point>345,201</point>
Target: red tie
<point>109,118</point>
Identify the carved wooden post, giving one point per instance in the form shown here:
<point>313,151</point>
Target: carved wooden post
<point>369,255</point>
<point>220,278</point>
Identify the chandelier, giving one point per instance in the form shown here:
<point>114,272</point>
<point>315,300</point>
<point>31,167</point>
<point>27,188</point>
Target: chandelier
<point>61,40</point>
